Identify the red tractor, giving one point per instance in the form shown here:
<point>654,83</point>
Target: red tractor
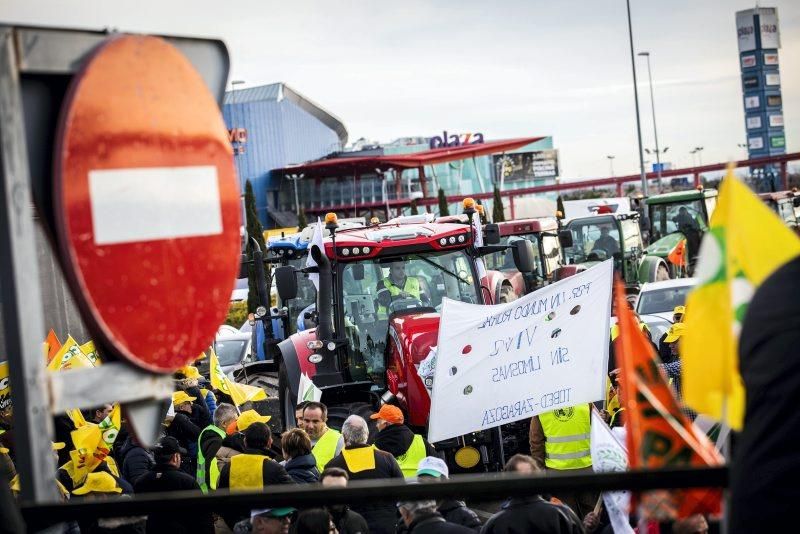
<point>372,334</point>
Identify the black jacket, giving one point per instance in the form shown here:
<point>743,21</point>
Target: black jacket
<point>348,521</point>
<point>396,439</point>
<point>303,469</point>
<point>136,460</point>
<point>766,465</point>
<point>164,479</point>
<point>434,523</point>
<point>533,514</point>
<point>458,513</point>
<point>381,516</point>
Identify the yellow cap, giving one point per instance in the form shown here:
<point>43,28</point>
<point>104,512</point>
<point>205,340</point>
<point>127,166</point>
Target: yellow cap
<point>190,371</point>
<point>179,397</point>
<point>58,445</point>
<point>675,332</point>
<point>468,203</point>
<point>331,218</point>
<point>479,207</point>
<point>679,310</point>
<point>3,450</point>
<point>100,482</point>
<point>614,331</point>
<point>248,417</point>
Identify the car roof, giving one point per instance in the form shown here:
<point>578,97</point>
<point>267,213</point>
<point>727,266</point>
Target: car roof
<point>666,284</point>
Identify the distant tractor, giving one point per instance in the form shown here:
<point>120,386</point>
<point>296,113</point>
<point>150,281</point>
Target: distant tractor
<point>678,216</point>
<point>614,235</point>
<point>786,204</point>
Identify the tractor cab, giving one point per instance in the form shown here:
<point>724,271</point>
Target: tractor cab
<point>678,216</point>
<point>786,204</point>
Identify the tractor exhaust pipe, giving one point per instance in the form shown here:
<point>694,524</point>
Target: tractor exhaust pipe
<point>324,311</point>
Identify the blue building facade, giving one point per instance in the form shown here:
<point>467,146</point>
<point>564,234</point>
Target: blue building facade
<point>273,126</point>
<point>759,40</point>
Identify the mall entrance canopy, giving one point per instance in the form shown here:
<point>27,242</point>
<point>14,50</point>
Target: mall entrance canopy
<point>357,166</point>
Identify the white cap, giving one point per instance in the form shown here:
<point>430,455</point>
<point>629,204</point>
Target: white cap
<point>433,466</point>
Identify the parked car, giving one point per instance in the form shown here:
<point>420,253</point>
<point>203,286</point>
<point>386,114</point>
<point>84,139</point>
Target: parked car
<point>233,350</point>
<point>239,290</point>
<point>657,300</point>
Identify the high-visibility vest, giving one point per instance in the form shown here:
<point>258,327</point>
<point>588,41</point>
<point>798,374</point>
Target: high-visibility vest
<point>409,460</point>
<point>411,287</point>
<point>201,462</point>
<point>325,448</point>
<point>247,471</point>
<point>359,459</point>
<point>567,434</point>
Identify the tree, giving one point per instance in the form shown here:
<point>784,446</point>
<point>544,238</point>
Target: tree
<point>254,231</point>
<point>498,214</point>
<point>413,207</point>
<point>444,210</point>
<point>301,219</point>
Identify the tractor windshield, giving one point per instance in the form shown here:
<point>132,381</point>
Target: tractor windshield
<point>373,291</point>
<point>503,261</point>
<point>683,217</point>
<point>593,239</point>
<point>305,301</point>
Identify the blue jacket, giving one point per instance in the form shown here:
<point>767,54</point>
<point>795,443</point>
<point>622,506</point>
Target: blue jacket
<point>303,469</point>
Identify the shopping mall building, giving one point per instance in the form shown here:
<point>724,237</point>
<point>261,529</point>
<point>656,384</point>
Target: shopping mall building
<point>283,140</point>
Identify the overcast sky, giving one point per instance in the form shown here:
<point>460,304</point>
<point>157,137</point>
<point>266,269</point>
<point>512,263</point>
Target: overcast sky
<point>506,69</point>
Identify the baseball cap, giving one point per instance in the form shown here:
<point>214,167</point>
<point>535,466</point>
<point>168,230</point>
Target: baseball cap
<point>168,446</point>
<point>389,413</point>
<point>190,371</point>
<point>248,417</point>
<point>675,332</point>
<point>433,467</point>
<point>100,482</point>
<point>272,512</point>
<point>179,397</point>
<point>679,310</point>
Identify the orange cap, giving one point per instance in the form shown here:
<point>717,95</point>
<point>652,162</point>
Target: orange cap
<point>390,414</point>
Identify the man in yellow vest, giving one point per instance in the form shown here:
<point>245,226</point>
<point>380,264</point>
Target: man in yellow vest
<point>398,440</point>
<point>326,443</point>
<point>560,441</point>
<point>365,462</point>
<point>209,442</point>
<point>253,469</point>
<point>396,286</point>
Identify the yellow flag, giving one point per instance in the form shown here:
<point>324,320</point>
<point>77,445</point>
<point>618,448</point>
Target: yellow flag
<point>90,351</point>
<point>239,393</point>
<point>93,442</point>
<point>746,242</point>
<point>5,387</point>
<point>69,356</point>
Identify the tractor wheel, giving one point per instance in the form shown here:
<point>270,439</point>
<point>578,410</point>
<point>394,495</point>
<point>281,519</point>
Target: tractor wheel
<point>662,273</point>
<point>506,295</point>
<point>287,403</point>
<point>337,415</point>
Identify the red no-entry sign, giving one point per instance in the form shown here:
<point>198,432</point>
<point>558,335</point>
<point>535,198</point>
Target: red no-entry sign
<point>147,202</point>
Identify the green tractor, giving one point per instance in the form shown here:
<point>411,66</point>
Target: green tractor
<point>590,240</point>
<point>677,216</point>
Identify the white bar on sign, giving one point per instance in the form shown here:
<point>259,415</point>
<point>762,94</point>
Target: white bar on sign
<point>154,203</point>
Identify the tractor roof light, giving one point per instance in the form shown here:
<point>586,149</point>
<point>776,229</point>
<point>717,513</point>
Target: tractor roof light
<point>375,221</point>
<point>699,187</point>
<point>331,221</point>
<point>468,203</point>
<point>479,207</point>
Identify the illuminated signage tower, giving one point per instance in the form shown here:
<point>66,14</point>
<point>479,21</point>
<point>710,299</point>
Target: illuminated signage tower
<point>759,41</point>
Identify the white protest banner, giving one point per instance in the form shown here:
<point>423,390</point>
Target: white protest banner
<point>316,240</point>
<point>307,390</point>
<point>608,456</point>
<point>544,351</point>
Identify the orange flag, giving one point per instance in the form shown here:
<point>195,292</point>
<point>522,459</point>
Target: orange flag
<point>658,433</point>
<point>53,344</point>
<point>678,254</point>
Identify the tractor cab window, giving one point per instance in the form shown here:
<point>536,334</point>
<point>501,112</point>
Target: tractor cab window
<point>631,235</point>
<point>594,239</point>
<point>681,217</point>
<point>503,261</point>
<point>305,301</point>
<point>552,253</point>
<point>711,204</point>
<point>786,211</point>
<point>376,291</point>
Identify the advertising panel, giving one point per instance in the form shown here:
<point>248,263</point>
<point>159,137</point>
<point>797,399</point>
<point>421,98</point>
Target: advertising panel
<point>774,101</point>
<point>777,141</point>
<point>773,78</point>
<point>748,61</point>
<point>745,30</point>
<point>776,121</point>
<point>527,165</point>
<point>751,102</point>
<point>755,143</point>
<point>770,36</point>
<point>770,58</point>
<point>750,82</point>
<point>754,123</point>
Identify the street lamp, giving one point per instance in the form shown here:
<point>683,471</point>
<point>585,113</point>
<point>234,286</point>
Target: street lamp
<point>744,147</point>
<point>611,164</point>
<point>636,101</point>
<point>699,151</point>
<point>653,107</point>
